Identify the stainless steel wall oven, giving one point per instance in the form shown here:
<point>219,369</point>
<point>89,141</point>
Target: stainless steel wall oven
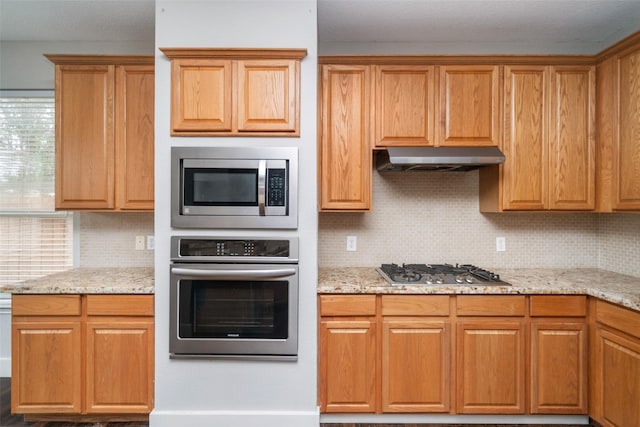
<point>234,297</point>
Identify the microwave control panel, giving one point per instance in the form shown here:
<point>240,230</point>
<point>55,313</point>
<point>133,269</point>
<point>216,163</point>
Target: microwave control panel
<point>276,187</point>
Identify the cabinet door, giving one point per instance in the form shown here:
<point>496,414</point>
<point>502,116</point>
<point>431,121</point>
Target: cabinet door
<point>345,147</point>
<point>525,169</point>
<point>626,176</point>
<point>134,136</point>
<point>267,95</point>
<point>46,367</point>
<point>119,366</point>
<point>558,367</point>
<point>85,141</point>
<point>201,92</point>
<point>415,365</point>
<point>348,365</point>
<point>618,365</point>
<point>572,138</point>
<point>404,105</point>
<point>491,366</point>
<point>469,105</point>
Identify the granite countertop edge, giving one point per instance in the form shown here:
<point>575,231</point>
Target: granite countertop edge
<point>620,289</point>
<point>105,280</point>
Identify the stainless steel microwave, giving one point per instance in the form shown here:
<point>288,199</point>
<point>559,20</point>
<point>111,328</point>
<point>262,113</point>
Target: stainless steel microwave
<point>229,187</point>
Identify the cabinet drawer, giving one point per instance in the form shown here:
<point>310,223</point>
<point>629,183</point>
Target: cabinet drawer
<point>415,305</point>
<point>120,305</point>
<point>490,305</point>
<point>618,317</point>
<point>45,305</point>
<point>558,305</point>
<point>347,305</point>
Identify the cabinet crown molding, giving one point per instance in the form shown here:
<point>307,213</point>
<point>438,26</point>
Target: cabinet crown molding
<point>64,59</point>
<point>234,53</point>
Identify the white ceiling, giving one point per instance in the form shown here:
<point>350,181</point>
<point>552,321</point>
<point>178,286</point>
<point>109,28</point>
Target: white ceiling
<point>477,26</point>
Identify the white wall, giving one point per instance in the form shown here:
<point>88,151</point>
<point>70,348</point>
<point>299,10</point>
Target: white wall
<point>222,392</point>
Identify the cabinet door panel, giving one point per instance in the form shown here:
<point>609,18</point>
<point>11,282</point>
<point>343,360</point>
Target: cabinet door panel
<point>134,136</point>
<point>348,365</point>
<point>267,95</point>
<point>85,148</point>
<point>119,367</point>
<point>627,161</point>
<point>525,138</point>
<point>469,105</point>
<point>46,367</point>
<point>572,138</point>
<point>558,367</point>
<point>415,365</point>
<point>490,367</point>
<point>620,381</point>
<point>200,95</point>
<point>404,105</point>
<point>345,153</point>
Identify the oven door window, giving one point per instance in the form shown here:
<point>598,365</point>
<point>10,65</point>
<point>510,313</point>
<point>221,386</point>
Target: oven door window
<point>220,187</point>
<point>230,309</point>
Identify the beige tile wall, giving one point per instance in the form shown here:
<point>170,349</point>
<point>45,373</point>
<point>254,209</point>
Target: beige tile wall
<point>434,217</point>
<point>619,238</point>
<point>419,217</point>
<point>108,239</point>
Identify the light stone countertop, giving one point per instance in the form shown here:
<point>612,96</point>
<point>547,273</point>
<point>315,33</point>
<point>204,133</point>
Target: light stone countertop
<point>128,280</point>
<point>608,286</point>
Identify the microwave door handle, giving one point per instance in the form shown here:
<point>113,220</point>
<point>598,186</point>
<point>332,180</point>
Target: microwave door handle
<point>221,274</point>
<point>262,184</point>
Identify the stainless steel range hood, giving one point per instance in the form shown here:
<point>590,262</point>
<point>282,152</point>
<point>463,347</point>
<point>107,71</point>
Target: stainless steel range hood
<point>437,158</point>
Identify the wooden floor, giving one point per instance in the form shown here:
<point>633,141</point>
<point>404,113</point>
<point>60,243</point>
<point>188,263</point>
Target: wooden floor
<point>8,420</point>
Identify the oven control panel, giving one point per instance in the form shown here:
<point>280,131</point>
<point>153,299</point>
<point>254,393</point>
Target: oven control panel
<point>209,248</point>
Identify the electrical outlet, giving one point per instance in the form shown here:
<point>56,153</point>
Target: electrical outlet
<point>352,243</point>
<point>151,242</point>
<point>501,244</point>
<point>139,243</point>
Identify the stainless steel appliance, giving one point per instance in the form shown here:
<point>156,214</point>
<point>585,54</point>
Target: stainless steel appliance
<point>437,158</point>
<point>234,187</point>
<point>234,297</point>
<point>439,274</point>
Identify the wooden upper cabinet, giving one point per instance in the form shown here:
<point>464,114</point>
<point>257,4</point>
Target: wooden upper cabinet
<point>469,105</point>
<point>627,150</point>
<point>525,171</point>
<point>345,151</point>
<point>618,135</point>
<point>135,136</point>
<point>549,141</point>
<point>235,92</point>
<point>104,132</point>
<point>572,138</point>
<point>268,96</point>
<point>200,95</point>
<point>85,144</point>
<point>404,105</point>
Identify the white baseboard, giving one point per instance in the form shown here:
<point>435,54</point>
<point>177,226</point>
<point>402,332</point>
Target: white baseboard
<point>167,418</point>
<point>5,367</point>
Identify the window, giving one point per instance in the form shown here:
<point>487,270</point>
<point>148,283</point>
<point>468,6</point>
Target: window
<point>34,239</point>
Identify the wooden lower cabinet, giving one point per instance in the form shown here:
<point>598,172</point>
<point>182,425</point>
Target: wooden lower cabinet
<point>491,366</point>
<point>82,354</point>
<point>348,365</point>
<point>46,366</point>
<point>464,354</point>
<point>616,366</point>
<point>416,353</point>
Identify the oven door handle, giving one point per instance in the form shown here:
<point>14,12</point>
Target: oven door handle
<point>220,274</point>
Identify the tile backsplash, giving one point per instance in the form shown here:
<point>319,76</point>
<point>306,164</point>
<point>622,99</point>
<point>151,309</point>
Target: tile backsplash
<point>419,217</point>
<point>108,239</point>
<point>434,217</point>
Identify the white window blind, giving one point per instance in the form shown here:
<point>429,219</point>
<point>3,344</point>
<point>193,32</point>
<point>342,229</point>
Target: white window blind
<point>34,239</point>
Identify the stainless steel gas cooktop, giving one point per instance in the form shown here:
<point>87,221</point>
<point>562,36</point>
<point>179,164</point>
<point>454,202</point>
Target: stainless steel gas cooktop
<point>439,274</point>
